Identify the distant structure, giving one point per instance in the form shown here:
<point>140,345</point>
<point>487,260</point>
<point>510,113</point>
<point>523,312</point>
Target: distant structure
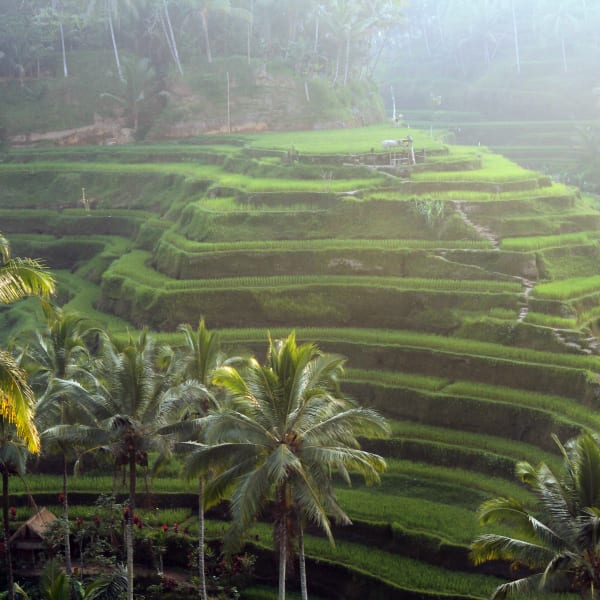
<point>27,542</point>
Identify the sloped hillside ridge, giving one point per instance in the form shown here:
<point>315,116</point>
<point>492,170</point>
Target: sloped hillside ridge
<point>463,289</point>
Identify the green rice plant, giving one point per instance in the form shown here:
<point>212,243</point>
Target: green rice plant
<point>193,170</point>
<point>454,524</point>
<point>133,266</point>
<point>403,572</point>
<point>254,185</point>
<point>523,196</point>
<point>558,405</point>
<point>340,141</point>
<point>258,592</point>
<point>495,169</point>
<point>452,477</point>
<point>45,483</point>
<point>502,314</point>
<point>530,244</point>
<point>552,321</point>
<point>398,379</point>
<point>82,298</point>
<point>494,444</point>
<point>568,289</point>
<point>191,246</point>
<point>386,338</point>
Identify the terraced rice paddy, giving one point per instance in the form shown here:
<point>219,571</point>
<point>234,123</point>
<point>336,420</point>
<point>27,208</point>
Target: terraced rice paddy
<point>465,299</point>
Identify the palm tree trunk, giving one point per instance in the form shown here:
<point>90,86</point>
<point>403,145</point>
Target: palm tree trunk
<point>68,567</point>
<point>516,36</point>
<point>201,575</point>
<point>114,42</point>
<point>282,557</point>
<point>171,39</point>
<point>347,60</point>
<point>7,553</point>
<point>62,46</point>
<point>302,562</point>
<point>282,539</point>
<point>206,38</point>
<point>129,524</point>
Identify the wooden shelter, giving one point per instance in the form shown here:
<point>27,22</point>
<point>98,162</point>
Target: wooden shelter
<point>27,543</point>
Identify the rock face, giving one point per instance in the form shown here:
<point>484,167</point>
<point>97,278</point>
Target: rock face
<point>102,131</point>
<point>246,102</point>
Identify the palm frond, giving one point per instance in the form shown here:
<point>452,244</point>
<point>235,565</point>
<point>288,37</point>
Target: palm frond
<point>22,277</point>
<point>499,547</point>
<point>16,401</point>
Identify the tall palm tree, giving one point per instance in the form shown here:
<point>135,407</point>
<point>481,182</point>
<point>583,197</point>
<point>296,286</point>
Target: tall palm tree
<point>19,278</point>
<point>112,10</point>
<point>134,416</point>
<point>559,540</point>
<point>287,430</point>
<point>201,355</point>
<point>59,362</point>
<point>13,457</point>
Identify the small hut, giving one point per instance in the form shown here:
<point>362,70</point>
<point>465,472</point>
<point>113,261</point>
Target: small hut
<point>27,543</point>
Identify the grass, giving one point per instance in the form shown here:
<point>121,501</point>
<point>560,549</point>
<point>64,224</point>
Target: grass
<point>554,404</point>
<point>133,266</point>
<point>340,141</point>
<point>530,244</point>
<point>433,503</point>
<point>496,445</point>
<point>385,338</point>
<point>400,571</point>
<point>495,169</point>
<point>555,322</point>
<point>525,197</point>
<point>568,289</point>
<point>191,246</point>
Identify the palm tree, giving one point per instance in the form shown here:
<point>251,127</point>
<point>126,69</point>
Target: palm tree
<point>133,413</point>
<point>59,361</point>
<point>559,541</point>
<point>347,23</point>
<point>204,8</point>
<point>13,457</point>
<point>201,356</point>
<point>287,429</point>
<point>138,77</point>
<point>19,278</point>
<point>563,22</point>
<point>112,10</point>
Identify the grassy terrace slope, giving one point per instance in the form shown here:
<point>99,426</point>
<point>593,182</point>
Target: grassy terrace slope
<point>464,291</point>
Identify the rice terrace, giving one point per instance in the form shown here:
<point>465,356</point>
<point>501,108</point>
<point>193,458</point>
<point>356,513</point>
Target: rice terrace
<point>263,335</point>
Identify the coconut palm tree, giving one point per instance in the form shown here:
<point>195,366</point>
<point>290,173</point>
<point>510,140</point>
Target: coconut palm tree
<point>19,278</point>
<point>59,363</point>
<point>134,413</point>
<point>112,10</point>
<point>286,431</point>
<point>13,457</point>
<point>559,539</point>
<point>201,355</point>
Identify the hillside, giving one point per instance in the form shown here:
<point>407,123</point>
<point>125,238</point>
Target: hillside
<point>463,289</point>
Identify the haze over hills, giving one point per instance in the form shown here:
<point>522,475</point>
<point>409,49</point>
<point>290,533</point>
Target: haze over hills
<point>462,288</point>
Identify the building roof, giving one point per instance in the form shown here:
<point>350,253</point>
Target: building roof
<point>35,527</point>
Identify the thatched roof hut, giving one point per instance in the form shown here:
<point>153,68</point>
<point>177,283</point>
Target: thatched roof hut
<point>28,540</point>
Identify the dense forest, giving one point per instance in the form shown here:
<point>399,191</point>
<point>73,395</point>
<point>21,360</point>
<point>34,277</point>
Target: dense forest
<point>492,44</point>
